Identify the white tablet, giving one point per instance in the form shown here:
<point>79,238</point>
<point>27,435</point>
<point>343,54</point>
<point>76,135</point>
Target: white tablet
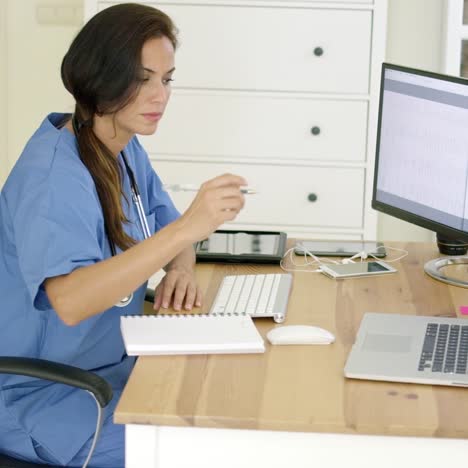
<point>350,270</point>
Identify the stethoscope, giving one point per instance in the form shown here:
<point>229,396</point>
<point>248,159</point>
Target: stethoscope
<point>139,207</point>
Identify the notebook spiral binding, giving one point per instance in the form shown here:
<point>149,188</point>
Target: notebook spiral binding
<point>215,314</point>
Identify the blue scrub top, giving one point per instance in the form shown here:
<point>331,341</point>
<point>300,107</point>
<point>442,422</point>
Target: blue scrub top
<point>51,223</point>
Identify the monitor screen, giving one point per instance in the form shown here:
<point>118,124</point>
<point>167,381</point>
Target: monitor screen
<point>421,162</point>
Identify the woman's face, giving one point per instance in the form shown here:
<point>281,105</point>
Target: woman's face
<point>142,115</point>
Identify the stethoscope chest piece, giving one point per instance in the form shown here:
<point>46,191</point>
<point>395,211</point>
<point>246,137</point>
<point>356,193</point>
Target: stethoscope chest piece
<point>125,301</point>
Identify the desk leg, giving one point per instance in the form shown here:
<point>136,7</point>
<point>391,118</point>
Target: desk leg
<point>141,446</point>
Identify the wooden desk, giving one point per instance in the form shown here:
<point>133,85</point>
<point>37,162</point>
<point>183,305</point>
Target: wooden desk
<point>291,406</point>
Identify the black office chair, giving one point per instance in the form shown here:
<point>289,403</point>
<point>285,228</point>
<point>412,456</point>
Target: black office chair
<point>99,388</point>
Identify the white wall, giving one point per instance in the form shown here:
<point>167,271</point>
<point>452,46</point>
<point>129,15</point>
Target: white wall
<point>4,164</point>
<point>414,38</point>
<point>33,56</point>
<point>34,53</point>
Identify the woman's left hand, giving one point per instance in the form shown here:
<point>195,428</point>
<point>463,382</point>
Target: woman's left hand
<point>179,288</point>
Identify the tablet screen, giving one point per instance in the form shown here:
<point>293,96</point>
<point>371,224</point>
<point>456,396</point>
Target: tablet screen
<point>341,248</point>
<point>240,243</point>
<point>358,268</point>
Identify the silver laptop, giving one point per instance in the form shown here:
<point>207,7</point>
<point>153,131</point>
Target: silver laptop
<point>410,348</point>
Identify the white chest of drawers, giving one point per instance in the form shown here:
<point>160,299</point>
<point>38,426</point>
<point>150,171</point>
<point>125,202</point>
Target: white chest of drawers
<point>284,93</point>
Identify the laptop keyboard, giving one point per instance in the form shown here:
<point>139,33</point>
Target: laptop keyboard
<point>445,349</point>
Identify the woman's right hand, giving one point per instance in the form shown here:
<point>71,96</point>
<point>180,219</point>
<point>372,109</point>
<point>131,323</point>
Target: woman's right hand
<point>218,200</point>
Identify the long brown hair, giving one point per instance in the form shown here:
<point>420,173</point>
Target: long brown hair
<point>102,70</point>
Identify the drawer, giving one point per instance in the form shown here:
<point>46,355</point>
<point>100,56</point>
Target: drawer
<point>287,196</point>
<point>325,236</point>
<point>272,2</point>
<point>264,128</point>
<point>282,49</point>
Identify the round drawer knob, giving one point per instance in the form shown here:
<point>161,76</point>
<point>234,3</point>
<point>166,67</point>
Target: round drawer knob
<point>312,197</point>
<point>318,51</point>
<point>315,130</point>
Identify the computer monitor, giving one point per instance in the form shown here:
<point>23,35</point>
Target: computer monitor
<point>421,166</point>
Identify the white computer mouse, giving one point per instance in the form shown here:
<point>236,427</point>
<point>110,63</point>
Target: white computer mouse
<point>299,334</point>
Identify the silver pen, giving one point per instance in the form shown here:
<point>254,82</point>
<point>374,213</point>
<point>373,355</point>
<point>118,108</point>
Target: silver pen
<point>196,188</point>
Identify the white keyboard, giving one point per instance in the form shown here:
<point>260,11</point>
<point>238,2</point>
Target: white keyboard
<point>256,295</point>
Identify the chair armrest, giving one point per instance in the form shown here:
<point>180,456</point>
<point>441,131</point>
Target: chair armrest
<point>61,373</point>
<point>149,296</point>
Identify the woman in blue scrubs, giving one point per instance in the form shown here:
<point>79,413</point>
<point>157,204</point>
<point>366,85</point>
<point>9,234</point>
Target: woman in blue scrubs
<point>72,244</point>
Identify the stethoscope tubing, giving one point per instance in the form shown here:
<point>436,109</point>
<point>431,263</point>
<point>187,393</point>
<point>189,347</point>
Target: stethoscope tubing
<point>138,205</point>
<point>141,217</point>
<point>137,199</point>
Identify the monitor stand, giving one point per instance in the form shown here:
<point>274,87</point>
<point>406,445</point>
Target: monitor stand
<point>448,246</point>
<point>433,268</point>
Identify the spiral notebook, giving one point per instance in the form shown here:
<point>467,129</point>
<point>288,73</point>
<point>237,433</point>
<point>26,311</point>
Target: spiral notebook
<point>190,334</point>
